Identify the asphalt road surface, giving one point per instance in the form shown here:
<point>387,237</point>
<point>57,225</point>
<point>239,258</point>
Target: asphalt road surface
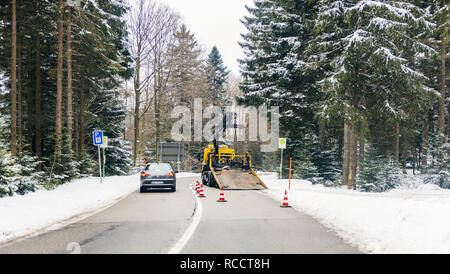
<point>249,222</point>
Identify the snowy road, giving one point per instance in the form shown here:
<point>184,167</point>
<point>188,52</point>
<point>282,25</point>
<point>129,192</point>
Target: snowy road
<point>250,222</point>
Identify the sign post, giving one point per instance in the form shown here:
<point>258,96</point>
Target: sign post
<point>282,146</point>
<point>104,146</point>
<point>97,136</point>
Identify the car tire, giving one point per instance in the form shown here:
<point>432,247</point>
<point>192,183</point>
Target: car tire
<point>142,190</point>
<point>209,182</point>
<point>213,181</point>
<point>173,189</point>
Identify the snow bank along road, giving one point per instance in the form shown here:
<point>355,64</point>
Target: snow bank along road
<point>411,219</point>
<point>163,222</point>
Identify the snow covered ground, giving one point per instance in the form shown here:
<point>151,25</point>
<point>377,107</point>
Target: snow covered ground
<point>187,174</point>
<point>23,215</point>
<point>411,219</point>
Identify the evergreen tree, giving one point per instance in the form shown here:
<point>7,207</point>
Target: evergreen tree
<point>365,43</point>
<point>188,80</point>
<point>17,173</point>
<point>108,113</point>
<point>99,65</point>
<point>439,145</point>
<point>376,173</point>
<point>345,73</point>
<point>217,75</point>
<point>188,77</point>
<point>326,159</point>
<point>275,71</point>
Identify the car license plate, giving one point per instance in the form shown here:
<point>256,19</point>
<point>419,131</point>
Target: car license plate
<point>157,182</point>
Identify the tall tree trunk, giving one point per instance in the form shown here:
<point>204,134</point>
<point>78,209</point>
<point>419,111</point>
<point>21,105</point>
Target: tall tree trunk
<point>137,103</point>
<point>415,161</point>
<point>29,103</point>
<point>443,53</point>
<point>156,101</point>
<point>404,160</point>
<point>59,83</point>
<point>362,145</point>
<point>136,131</point>
<point>353,163</point>
<point>13,144</point>
<point>403,150</point>
<point>142,136</point>
<point>30,120</point>
<point>38,148</point>
<point>19,94</point>
<point>397,143</point>
<point>322,129</point>
<point>81,111</point>
<point>347,147</point>
<point>69,81</point>
<point>424,166</point>
<point>76,117</point>
<point>137,106</point>
<point>346,156</point>
<point>76,134</point>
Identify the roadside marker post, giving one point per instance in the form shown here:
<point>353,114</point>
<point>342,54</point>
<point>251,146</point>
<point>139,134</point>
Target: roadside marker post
<point>97,136</point>
<point>104,146</point>
<point>282,146</point>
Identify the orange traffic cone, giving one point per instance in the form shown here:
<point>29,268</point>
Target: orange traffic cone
<point>196,186</point>
<point>201,194</point>
<point>285,202</point>
<point>199,187</point>
<point>221,197</point>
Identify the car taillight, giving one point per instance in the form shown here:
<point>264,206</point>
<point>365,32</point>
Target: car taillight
<point>171,174</point>
<point>145,174</point>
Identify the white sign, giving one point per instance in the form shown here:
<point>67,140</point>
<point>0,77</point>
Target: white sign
<point>282,143</point>
<point>105,142</point>
<point>73,3</point>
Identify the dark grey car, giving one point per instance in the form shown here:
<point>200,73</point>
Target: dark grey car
<point>158,176</point>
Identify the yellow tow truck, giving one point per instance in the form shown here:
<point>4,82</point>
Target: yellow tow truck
<point>222,167</point>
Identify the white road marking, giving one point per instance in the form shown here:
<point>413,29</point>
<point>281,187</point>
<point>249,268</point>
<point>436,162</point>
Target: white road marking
<point>60,224</point>
<point>191,229</point>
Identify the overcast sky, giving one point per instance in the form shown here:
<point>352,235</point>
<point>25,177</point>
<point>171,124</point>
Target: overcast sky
<point>215,22</point>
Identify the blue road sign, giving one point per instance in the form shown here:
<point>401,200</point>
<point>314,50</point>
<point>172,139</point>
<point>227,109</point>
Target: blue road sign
<point>98,137</point>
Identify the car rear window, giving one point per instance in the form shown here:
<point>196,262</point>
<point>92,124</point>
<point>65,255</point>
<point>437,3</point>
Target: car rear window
<point>159,167</point>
